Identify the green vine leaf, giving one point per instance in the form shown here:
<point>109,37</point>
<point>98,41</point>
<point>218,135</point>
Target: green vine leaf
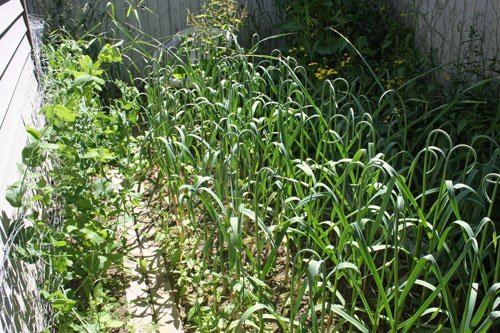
<point>32,155</point>
<point>59,112</point>
<point>109,54</point>
<point>14,194</point>
<point>93,236</point>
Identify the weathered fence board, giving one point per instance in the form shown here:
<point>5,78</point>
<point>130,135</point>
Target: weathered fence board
<point>13,88</point>
<point>461,33</point>
<point>161,19</point>
<point>8,86</point>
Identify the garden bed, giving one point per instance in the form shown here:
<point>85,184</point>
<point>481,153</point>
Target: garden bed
<point>281,200</point>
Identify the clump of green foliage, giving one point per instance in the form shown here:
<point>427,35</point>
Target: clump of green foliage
<point>86,140</point>
<point>371,26</point>
<point>370,45</point>
<point>297,205</point>
<point>218,14</point>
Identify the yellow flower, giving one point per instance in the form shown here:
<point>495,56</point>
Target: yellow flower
<point>320,74</point>
<point>331,71</point>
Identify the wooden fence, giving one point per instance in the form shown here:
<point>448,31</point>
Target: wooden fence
<point>159,19</point>
<point>462,33</point>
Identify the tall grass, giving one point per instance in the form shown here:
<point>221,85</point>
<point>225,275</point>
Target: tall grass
<point>304,210</point>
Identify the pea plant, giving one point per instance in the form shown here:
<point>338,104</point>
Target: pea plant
<point>76,206</point>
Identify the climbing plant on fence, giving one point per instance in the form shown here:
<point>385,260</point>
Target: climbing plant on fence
<point>87,140</point>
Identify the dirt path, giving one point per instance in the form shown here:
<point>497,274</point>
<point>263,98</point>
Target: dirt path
<point>150,302</point>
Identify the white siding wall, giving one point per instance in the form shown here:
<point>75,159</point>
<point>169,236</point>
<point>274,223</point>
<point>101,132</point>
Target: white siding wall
<point>19,301</point>
<point>18,91</point>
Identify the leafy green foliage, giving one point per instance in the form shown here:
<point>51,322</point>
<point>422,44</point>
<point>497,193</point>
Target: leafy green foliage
<point>305,208</point>
<point>86,145</point>
<point>14,194</point>
<point>219,14</point>
<point>371,26</point>
<point>370,45</point>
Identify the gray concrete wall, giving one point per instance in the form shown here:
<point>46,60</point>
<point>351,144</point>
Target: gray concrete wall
<point>21,309</point>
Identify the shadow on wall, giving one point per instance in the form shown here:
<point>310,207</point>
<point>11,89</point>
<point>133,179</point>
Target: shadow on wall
<point>21,307</point>
<point>151,21</point>
<point>463,35</point>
